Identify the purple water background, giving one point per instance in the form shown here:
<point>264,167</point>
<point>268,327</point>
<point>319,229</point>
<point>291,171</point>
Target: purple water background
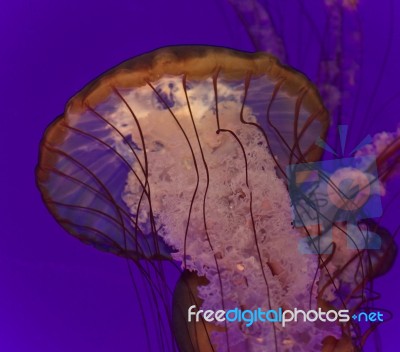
<point>56,294</point>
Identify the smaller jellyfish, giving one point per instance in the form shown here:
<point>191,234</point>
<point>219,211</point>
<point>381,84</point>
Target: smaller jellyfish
<point>180,155</point>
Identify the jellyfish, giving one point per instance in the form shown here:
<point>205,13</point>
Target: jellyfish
<point>180,155</point>
<point>184,155</point>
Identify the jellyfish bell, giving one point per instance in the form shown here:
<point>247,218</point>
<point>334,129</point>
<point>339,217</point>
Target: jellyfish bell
<point>154,105</point>
<point>180,154</point>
